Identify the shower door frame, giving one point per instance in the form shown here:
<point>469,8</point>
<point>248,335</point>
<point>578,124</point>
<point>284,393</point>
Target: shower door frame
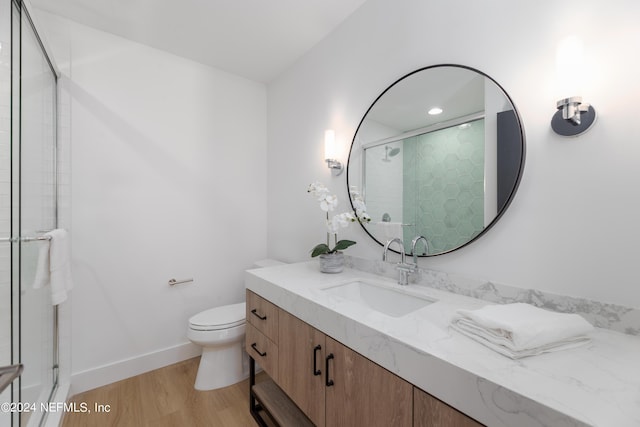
<point>24,12</point>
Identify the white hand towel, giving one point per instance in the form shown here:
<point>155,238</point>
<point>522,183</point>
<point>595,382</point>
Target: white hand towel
<point>521,330</point>
<point>42,276</point>
<point>59,265</point>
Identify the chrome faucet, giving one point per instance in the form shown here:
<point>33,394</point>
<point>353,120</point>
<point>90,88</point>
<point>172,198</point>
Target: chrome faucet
<point>403,268</point>
<point>413,248</point>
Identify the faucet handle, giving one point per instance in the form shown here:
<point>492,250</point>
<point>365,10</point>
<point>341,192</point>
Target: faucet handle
<point>405,269</point>
<point>406,266</point>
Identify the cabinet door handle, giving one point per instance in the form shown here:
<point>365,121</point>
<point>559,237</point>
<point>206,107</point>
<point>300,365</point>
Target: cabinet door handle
<point>253,346</point>
<point>255,313</point>
<point>316,371</point>
<point>328,381</point>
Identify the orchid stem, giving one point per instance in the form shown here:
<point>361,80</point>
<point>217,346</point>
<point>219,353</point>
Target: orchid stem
<point>328,235</point>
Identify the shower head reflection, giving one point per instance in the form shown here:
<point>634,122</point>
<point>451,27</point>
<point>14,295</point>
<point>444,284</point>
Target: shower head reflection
<point>390,152</point>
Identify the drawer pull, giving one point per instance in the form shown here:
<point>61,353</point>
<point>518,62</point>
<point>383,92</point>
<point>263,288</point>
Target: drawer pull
<point>316,371</point>
<point>328,381</point>
<point>255,313</point>
<point>253,346</point>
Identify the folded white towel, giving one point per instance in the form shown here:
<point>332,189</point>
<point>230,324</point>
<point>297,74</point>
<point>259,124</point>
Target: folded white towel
<point>54,266</point>
<point>520,330</point>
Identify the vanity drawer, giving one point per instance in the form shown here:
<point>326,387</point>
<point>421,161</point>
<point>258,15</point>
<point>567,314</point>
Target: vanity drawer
<point>263,350</point>
<point>263,315</point>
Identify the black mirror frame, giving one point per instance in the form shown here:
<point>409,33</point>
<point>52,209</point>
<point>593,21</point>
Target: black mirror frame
<point>520,170</point>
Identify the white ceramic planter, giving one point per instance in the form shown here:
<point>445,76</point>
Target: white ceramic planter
<point>332,263</point>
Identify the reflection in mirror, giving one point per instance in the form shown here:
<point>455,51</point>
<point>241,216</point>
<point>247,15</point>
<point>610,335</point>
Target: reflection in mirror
<point>447,176</point>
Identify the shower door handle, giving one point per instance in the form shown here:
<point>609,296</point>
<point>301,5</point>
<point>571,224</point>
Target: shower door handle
<point>8,374</point>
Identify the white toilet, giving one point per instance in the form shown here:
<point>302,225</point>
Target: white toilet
<point>220,332</point>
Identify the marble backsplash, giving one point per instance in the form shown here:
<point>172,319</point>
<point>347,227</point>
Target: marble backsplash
<point>602,315</point>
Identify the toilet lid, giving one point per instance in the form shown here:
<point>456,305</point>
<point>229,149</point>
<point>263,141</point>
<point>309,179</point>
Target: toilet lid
<point>223,317</point>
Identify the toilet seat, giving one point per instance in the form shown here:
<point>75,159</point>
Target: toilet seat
<point>217,318</point>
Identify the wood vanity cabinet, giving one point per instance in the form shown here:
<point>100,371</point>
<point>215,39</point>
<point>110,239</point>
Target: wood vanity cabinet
<point>263,315</point>
<point>302,350</point>
<point>335,386</point>
<point>363,393</point>
<point>329,383</point>
<point>261,336</point>
<point>431,412</point>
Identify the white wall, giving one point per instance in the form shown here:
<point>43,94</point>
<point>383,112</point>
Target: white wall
<point>573,226</point>
<point>168,181</point>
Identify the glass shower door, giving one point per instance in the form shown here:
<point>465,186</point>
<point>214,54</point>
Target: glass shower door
<point>5,195</point>
<point>37,201</point>
<point>28,89</point>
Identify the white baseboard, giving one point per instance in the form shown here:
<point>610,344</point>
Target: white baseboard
<point>107,374</point>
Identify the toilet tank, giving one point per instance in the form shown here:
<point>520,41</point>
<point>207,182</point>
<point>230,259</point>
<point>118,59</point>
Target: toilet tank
<point>267,262</point>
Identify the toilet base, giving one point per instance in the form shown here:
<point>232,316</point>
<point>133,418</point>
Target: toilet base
<point>222,366</point>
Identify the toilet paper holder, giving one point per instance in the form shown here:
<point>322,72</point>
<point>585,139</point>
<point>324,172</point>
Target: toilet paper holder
<point>173,282</point>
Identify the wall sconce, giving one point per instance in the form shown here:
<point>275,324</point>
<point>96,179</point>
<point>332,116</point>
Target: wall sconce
<point>330,153</point>
<point>573,116</point>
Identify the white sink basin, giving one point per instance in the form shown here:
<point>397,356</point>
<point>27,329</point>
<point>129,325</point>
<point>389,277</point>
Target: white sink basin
<point>392,302</point>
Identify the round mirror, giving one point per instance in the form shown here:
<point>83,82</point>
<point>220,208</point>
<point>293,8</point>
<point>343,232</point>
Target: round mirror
<point>438,154</point>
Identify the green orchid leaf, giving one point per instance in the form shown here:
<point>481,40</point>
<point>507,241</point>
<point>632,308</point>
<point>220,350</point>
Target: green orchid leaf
<point>343,244</point>
<point>320,249</point>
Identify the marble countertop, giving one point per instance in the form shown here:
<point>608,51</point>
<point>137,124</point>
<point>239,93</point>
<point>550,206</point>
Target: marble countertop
<point>594,385</point>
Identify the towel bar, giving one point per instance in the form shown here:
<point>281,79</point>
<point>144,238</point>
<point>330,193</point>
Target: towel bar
<point>177,282</point>
<point>24,239</point>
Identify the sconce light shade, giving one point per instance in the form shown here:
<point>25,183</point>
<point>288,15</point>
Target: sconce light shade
<point>573,116</point>
<point>330,153</point>
<point>329,144</point>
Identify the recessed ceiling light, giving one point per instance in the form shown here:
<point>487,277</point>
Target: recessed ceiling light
<point>435,111</point>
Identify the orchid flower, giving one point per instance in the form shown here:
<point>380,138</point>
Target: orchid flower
<point>328,203</point>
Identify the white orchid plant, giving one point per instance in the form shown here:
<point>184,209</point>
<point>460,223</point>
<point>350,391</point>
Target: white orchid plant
<point>328,203</point>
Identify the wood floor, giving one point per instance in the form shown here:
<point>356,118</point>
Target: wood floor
<point>164,397</point>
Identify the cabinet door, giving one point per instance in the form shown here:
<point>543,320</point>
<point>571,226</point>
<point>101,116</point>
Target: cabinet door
<point>363,393</point>
<point>263,315</point>
<point>430,412</point>
<point>297,376</point>
<point>263,350</point>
